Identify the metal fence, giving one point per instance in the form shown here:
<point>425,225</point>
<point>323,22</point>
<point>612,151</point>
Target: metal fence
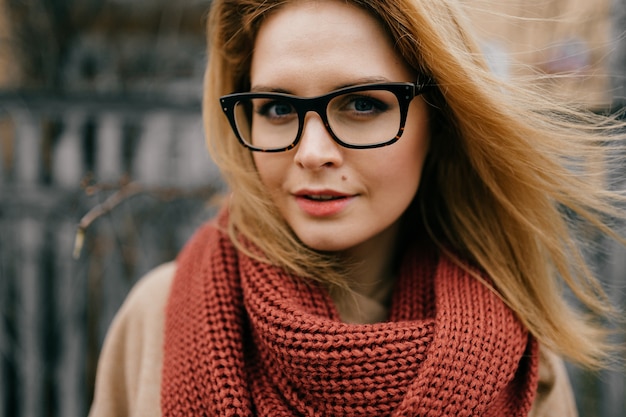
<point>140,167</point>
<point>136,172</point>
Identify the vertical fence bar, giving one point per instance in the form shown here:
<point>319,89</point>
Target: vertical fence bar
<point>192,164</point>
<point>6,339</point>
<point>68,161</point>
<point>70,306</point>
<point>152,164</point>
<point>28,150</point>
<point>109,147</point>
<point>30,324</point>
<point>7,140</point>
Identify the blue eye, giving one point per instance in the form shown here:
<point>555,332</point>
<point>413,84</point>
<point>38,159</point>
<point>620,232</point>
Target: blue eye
<point>364,105</point>
<point>361,105</point>
<point>274,109</point>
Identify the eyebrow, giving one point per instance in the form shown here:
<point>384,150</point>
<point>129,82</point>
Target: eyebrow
<point>359,81</point>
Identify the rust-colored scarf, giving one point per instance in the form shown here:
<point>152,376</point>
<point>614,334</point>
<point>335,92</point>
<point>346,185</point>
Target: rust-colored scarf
<point>243,338</point>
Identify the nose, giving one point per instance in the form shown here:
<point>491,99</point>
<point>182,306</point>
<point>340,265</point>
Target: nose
<point>317,149</point>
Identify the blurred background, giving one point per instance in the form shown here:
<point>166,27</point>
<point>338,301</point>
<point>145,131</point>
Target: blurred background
<point>101,145</point>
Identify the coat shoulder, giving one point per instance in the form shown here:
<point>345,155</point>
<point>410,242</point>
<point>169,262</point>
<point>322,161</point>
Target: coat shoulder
<point>128,380</point>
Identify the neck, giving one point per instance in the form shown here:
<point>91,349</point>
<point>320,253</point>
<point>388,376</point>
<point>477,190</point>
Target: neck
<point>371,275</point>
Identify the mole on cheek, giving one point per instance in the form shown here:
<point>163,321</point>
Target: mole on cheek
<point>343,178</point>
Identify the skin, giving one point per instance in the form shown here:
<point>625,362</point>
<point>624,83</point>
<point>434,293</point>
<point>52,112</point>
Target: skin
<point>311,48</point>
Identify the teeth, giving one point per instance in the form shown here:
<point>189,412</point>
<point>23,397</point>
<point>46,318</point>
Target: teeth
<point>322,197</point>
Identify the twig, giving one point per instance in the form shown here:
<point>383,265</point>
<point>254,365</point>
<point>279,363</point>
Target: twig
<point>127,190</point>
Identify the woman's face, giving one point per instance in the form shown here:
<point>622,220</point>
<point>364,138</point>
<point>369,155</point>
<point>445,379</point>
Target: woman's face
<point>334,198</point>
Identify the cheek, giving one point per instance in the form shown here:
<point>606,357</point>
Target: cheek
<point>401,174</point>
<point>419,137</point>
<point>271,168</point>
<point>261,168</point>
<point>402,171</point>
<point>409,153</point>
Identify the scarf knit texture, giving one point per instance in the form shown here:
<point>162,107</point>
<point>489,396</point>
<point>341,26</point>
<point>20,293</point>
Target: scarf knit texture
<point>244,338</point>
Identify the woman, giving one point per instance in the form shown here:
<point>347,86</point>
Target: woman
<point>393,238</point>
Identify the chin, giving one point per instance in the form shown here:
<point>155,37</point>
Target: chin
<point>325,244</point>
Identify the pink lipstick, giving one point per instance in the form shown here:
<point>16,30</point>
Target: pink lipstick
<point>322,203</point>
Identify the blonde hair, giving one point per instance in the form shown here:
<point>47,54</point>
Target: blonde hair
<point>498,186</point>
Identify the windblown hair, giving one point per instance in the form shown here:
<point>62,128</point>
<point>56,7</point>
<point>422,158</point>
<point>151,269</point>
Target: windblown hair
<point>507,174</point>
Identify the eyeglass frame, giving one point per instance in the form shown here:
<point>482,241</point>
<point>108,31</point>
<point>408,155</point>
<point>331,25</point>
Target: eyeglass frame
<point>405,92</point>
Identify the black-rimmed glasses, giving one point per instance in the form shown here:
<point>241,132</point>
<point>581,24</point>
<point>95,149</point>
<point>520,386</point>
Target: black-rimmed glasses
<point>359,117</point>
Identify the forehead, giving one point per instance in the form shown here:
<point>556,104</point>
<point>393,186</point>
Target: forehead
<point>324,42</point>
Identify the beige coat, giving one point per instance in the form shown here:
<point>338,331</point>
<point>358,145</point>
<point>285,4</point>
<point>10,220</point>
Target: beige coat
<point>129,370</point>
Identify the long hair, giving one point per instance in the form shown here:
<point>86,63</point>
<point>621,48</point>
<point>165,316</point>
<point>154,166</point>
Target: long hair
<point>498,187</point>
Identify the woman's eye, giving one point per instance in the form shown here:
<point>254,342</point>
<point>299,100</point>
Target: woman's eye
<point>275,109</point>
<point>364,104</point>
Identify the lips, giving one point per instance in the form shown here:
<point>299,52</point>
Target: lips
<point>324,203</point>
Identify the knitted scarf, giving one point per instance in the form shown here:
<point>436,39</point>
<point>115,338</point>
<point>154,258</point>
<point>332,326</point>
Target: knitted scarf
<point>243,338</point>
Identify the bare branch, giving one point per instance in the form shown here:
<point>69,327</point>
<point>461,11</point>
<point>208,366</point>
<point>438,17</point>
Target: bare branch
<point>125,190</point>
